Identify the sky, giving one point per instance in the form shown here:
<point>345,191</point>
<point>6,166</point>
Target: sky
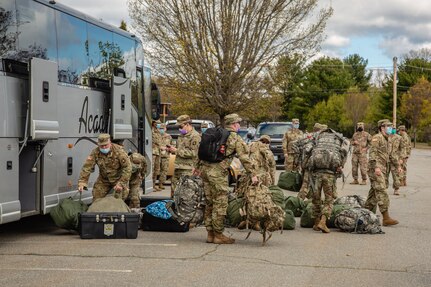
<point>377,30</point>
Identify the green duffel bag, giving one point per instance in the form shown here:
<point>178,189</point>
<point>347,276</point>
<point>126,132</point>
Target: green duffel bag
<point>289,220</point>
<point>290,180</point>
<point>306,218</point>
<point>66,213</point>
<point>295,204</point>
<point>232,213</point>
<point>335,211</point>
<point>277,195</point>
<point>109,203</point>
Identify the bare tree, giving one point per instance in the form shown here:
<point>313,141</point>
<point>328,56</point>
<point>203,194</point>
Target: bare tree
<point>356,104</point>
<point>219,49</point>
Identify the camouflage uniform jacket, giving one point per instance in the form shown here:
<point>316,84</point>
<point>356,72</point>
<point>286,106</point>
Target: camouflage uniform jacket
<point>289,137</point>
<point>364,142</point>
<point>187,150</point>
<point>138,170</point>
<point>263,158</point>
<point>235,145</point>
<point>166,140</point>
<point>379,153</point>
<point>114,167</point>
<point>407,143</point>
<point>157,139</point>
<point>397,149</point>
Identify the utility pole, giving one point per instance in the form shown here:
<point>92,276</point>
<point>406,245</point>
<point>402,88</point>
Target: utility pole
<point>394,112</point>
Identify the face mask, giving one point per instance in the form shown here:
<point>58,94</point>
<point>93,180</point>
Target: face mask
<point>394,131</point>
<point>104,150</point>
<point>203,129</point>
<point>296,126</point>
<point>162,131</point>
<point>388,130</point>
<point>183,131</point>
<point>158,126</point>
<point>360,129</point>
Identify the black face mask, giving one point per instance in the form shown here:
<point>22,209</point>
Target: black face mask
<point>360,129</point>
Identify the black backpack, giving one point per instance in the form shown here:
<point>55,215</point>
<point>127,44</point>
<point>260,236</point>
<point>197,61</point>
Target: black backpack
<point>213,145</point>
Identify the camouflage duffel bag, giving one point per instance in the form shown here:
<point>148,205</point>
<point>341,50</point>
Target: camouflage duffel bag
<point>351,200</point>
<point>358,220</point>
<point>336,209</point>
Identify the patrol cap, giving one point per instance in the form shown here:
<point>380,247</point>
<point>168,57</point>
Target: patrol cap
<point>232,119</point>
<point>183,119</point>
<point>295,121</point>
<point>360,124</point>
<point>265,138</point>
<point>137,158</point>
<point>204,125</point>
<point>324,127</point>
<point>103,139</point>
<point>317,127</point>
<point>402,128</point>
<point>384,122</point>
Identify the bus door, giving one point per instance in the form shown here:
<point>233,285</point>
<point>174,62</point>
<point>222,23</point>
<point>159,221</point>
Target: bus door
<point>42,121</point>
<point>121,108</point>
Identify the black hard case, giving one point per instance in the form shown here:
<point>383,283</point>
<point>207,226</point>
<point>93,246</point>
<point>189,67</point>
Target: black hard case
<point>109,225</point>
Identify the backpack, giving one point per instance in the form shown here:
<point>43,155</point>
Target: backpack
<point>290,180</point>
<point>213,145</point>
<point>66,213</point>
<point>351,200</point>
<point>189,200</point>
<point>358,220</point>
<point>329,151</point>
<point>259,207</point>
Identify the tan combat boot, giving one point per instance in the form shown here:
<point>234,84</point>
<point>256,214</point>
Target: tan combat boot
<point>242,224</point>
<point>322,225</point>
<point>355,181</point>
<point>210,236</point>
<point>364,182</point>
<point>316,222</point>
<point>387,220</point>
<point>396,191</point>
<point>256,227</point>
<point>161,186</point>
<point>220,238</point>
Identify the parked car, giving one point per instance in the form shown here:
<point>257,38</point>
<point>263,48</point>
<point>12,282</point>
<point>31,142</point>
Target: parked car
<point>275,130</point>
<point>247,134</point>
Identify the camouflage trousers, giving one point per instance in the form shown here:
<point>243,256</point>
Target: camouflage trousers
<point>395,177</point>
<point>135,199</point>
<point>289,163</point>
<point>216,187</point>
<point>178,173</point>
<point>102,187</point>
<point>326,182</point>
<point>164,166</point>
<point>378,195</point>
<point>361,160</point>
<point>304,191</point>
<point>403,175</point>
<point>156,167</point>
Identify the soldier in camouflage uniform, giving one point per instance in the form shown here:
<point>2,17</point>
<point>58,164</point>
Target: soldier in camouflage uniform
<point>157,140</point>
<point>289,137</point>
<point>304,191</point>
<point>263,159</point>
<point>408,149</point>
<point>139,169</point>
<point>326,179</point>
<point>215,179</point>
<point>377,169</point>
<point>396,154</point>
<point>186,150</point>
<point>164,155</point>
<point>361,142</point>
<point>114,169</point>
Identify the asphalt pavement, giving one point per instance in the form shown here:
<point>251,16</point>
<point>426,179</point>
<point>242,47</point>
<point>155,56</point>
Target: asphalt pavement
<point>33,252</point>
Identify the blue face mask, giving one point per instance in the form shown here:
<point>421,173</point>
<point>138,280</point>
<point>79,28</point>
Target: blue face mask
<point>388,130</point>
<point>296,126</point>
<point>104,150</point>
<point>158,126</point>
<point>203,129</point>
<point>162,131</point>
